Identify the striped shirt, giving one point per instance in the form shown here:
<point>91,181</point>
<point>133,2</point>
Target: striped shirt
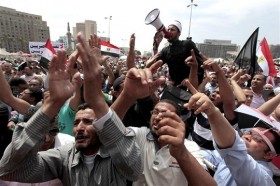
<point>118,158</point>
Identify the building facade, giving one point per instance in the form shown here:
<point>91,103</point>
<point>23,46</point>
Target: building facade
<point>214,48</point>
<point>87,28</point>
<point>18,28</point>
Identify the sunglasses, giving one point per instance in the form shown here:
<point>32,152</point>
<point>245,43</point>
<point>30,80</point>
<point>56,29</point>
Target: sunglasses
<point>259,137</point>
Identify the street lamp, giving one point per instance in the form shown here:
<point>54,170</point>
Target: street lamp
<point>190,5</point>
<point>109,18</point>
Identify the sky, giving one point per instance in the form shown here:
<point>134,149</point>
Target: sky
<point>233,20</point>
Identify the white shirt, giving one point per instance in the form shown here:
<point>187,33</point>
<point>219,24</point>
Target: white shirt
<point>160,168</point>
<point>257,101</point>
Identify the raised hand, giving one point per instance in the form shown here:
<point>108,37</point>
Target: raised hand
<point>132,41</point>
<point>171,131</point>
<point>211,66</point>
<point>139,82</point>
<point>60,86</point>
<point>191,60</point>
<point>91,59</point>
<point>199,102</point>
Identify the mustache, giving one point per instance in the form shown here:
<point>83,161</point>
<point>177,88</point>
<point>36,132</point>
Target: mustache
<point>80,135</point>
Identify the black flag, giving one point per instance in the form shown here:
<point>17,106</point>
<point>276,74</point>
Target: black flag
<point>247,58</point>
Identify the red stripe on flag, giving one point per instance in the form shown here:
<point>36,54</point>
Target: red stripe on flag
<point>49,46</point>
<point>268,56</point>
<point>104,43</point>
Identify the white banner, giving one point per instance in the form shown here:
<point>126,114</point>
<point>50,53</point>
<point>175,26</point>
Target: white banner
<point>38,47</point>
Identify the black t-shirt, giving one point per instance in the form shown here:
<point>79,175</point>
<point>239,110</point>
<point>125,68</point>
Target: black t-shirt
<point>175,54</point>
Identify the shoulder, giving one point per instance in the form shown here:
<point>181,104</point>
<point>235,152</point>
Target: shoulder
<point>191,145</point>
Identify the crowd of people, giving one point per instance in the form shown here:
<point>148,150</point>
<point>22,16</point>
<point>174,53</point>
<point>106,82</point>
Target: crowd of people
<point>91,120</point>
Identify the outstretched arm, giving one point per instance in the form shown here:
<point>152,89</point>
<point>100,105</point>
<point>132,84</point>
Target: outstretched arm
<point>172,132</point>
<point>268,107</point>
<point>237,90</point>
<point>91,60</point>
<point>223,132</point>
<point>21,161</point>
<point>138,84</point>
<point>225,89</point>
<point>8,98</point>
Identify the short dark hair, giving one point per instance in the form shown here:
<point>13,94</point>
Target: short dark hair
<point>175,105</point>
<point>37,93</point>
<point>16,81</point>
<point>83,106</point>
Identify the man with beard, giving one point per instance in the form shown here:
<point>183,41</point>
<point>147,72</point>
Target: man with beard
<point>105,153</point>
<point>168,158</point>
<point>175,54</point>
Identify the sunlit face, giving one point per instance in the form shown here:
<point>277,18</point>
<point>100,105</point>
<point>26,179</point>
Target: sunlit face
<point>84,132</point>
<point>258,82</point>
<point>277,79</point>
<point>249,96</point>
<point>213,79</point>
<point>7,67</point>
<point>25,95</point>
<point>256,145</point>
<point>28,71</point>
<point>174,33</point>
<point>216,97</point>
<point>34,83</point>
<point>155,118</point>
<point>267,87</point>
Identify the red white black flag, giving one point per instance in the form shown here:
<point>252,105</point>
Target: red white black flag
<point>47,54</point>
<point>109,49</point>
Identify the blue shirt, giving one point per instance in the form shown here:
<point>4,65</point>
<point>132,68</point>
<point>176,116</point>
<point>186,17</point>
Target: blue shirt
<point>236,167</point>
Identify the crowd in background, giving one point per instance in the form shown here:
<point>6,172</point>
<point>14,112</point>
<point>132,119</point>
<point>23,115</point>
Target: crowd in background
<point>25,87</point>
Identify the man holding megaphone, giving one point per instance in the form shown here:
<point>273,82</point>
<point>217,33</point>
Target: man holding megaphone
<point>177,51</point>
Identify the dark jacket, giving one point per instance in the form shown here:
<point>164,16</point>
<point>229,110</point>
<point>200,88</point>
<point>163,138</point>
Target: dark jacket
<point>175,54</point>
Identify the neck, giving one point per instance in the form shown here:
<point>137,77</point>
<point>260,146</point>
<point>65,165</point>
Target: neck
<point>91,150</point>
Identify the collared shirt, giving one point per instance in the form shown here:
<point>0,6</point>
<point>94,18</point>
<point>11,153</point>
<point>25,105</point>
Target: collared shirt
<point>235,167</point>
<point>160,168</point>
<point>118,157</point>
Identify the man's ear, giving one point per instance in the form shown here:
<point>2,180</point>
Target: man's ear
<point>270,155</point>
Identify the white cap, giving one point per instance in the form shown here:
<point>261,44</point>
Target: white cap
<point>177,24</point>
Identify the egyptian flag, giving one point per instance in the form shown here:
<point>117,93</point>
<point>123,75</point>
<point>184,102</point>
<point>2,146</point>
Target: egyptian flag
<point>265,60</point>
<point>109,49</point>
<point>47,54</point>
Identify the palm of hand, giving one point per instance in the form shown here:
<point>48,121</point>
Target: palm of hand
<point>60,85</point>
<point>137,88</point>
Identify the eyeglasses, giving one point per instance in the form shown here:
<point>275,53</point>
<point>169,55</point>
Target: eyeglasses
<point>260,137</point>
<point>156,112</point>
<point>53,132</point>
<point>26,92</point>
